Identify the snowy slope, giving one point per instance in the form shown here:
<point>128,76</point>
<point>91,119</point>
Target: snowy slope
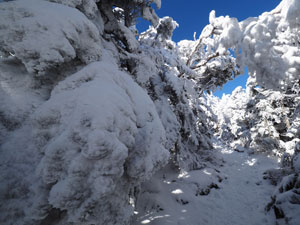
<point>238,194</point>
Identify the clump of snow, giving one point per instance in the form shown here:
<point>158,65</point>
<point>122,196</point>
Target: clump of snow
<point>229,29</point>
<point>290,11</point>
<point>285,201</point>
<point>88,159</point>
<point>88,7</point>
<point>263,37</point>
<point>268,45</point>
<point>44,35</point>
<point>212,17</point>
<point>165,27</point>
<point>158,3</point>
<point>207,59</point>
<point>19,96</point>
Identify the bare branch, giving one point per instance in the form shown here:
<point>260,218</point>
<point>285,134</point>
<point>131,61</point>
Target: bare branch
<point>207,61</point>
<point>203,35</point>
<point>199,45</point>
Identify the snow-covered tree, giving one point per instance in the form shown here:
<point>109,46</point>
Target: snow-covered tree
<point>88,111</point>
<point>206,64</point>
<point>230,112</point>
<point>268,44</point>
<point>78,135</point>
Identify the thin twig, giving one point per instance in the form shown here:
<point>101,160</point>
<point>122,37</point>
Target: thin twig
<point>198,46</point>
<point>207,61</point>
<point>196,50</point>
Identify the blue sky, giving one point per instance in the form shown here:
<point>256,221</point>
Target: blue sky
<point>192,16</point>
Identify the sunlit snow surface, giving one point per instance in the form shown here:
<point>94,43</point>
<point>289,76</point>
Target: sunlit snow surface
<point>240,197</point>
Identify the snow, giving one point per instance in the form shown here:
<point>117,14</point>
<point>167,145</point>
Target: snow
<point>238,194</point>
<point>268,44</point>
<point>290,11</point>
<point>286,200</point>
<point>212,17</point>
<point>88,7</point>
<point>97,125</point>
<point>158,3</point>
<point>20,96</point>
<point>81,151</point>
<point>44,35</point>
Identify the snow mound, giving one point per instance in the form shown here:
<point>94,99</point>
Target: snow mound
<point>44,35</point>
<point>87,160</point>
